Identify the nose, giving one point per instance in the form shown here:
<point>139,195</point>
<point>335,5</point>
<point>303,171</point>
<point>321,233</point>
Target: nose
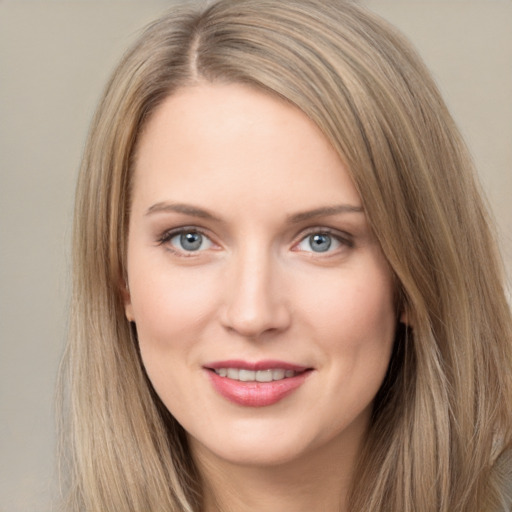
<point>255,303</point>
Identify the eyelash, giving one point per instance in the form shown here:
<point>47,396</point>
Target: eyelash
<point>167,236</point>
<point>345,239</point>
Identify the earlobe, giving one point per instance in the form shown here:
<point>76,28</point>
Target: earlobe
<point>127,301</point>
<point>129,313</point>
<point>404,318</point>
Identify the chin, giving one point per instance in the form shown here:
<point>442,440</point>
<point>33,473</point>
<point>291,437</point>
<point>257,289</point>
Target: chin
<point>259,443</point>
<point>252,454</point>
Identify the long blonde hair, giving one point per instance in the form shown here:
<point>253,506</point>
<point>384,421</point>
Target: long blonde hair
<point>441,429</point>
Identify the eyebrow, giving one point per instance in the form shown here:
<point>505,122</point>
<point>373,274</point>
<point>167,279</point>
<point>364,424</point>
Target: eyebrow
<point>296,218</point>
<point>186,209</point>
<point>324,211</point>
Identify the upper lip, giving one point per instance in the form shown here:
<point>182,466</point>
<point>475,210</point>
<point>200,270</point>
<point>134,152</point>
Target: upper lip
<point>256,365</point>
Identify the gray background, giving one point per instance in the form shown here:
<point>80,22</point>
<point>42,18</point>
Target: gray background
<point>55,57</point>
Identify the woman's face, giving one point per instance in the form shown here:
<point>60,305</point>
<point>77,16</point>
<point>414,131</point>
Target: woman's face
<point>263,304</point>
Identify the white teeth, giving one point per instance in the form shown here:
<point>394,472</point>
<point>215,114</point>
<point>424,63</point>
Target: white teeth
<point>264,376</point>
<point>246,375</point>
<point>233,373</point>
<point>252,376</point>
<point>279,374</point>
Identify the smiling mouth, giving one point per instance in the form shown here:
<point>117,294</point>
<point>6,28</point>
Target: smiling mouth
<point>244,375</point>
<point>256,384</point>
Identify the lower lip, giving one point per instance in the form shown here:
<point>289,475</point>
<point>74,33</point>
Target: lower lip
<point>256,394</point>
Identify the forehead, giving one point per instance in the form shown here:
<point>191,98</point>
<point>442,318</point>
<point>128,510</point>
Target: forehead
<point>219,143</point>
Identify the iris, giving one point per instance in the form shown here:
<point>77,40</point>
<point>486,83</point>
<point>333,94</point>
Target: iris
<point>320,242</point>
<point>191,241</point>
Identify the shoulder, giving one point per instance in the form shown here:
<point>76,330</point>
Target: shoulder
<point>500,484</point>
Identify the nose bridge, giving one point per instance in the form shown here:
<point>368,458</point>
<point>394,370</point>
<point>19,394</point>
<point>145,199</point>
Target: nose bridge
<point>254,302</point>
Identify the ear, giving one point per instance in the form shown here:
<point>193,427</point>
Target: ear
<point>127,300</point>
<point>404,318</point>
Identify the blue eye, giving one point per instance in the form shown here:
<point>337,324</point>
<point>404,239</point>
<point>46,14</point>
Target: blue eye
<point>190,241</point>
<point>319,242</point>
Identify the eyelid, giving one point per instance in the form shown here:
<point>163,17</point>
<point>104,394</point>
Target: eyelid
<point>344,238</point>
<point>166,236</point>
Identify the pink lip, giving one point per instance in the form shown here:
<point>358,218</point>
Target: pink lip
<point>256,394</point>
<point>267,364</point>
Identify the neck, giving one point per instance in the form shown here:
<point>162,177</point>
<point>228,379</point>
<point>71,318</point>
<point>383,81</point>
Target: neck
<point>256,490</point>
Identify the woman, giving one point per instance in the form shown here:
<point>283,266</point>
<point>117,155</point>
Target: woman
<point>287,295</point>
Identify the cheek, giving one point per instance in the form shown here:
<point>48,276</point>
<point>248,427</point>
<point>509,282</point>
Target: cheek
<point>354,314</point>
<point>169,305</point>
<point>353,300</point>
<point>172,309</point>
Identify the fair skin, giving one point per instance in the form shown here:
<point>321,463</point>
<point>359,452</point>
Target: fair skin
<point>249,249</point>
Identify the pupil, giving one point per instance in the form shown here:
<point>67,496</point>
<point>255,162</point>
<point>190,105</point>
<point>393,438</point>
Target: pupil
<point>320,243</point>
<point>191,241</point>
